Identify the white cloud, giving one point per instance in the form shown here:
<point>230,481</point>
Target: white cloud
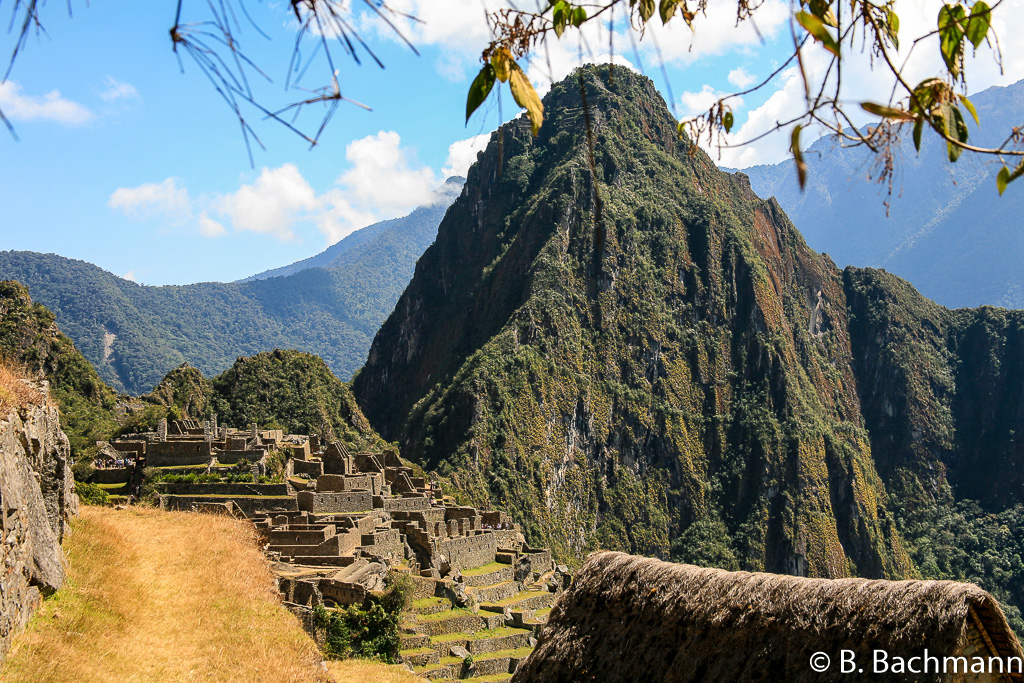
<point>272,204</point>
<point>714,33</point>
<point>696,103</point>
<point>49,107</point>
<point>337,218</point>
<point>462,154</point>
<point>383,181</point>
<point>383,178</point>
<point>117,90</point>
<point>209,227</point>
<point>151,199</point>
<point>740,78</point>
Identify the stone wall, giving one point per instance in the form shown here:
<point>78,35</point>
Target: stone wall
<point>417,503</point>
<point>224,489</point>
<point>312,469</point>
<point>343,592</point>
<point>232,457</point>
<point>137,447</point>
<point>249,505</point>
<point>177,453</point>
<point>352,501</point>
<point>359,482</point>
<point>37,500</point>
<point>468,551</point>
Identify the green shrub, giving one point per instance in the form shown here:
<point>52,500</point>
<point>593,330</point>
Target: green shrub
<point>90,494</point>
<point>82,470</point>
<point>370,633</point>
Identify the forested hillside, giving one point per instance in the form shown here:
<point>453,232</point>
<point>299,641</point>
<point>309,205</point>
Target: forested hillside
<point>277,389</point>
<point>134,334</point>
<point>31,340</point>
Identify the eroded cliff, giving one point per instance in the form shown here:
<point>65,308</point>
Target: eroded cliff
<point>37,501</point>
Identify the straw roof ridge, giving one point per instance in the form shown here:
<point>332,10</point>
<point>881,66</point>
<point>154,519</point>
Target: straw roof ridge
<point>628,618</point>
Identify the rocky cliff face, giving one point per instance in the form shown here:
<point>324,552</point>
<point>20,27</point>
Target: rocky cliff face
<point>37,500</point>
<point>654,361</point>
<point>627,349</point>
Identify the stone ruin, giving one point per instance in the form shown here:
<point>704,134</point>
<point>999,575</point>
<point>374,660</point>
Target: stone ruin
<point>338,522</point>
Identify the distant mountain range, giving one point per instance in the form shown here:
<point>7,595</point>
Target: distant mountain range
<point>948,232</point>
<point>330,305</point>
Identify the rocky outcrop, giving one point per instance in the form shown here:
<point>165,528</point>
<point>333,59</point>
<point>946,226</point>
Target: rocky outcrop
<point>37,500</point>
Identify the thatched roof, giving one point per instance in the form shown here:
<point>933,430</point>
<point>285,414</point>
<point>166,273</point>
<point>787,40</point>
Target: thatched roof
<point>632,619</point>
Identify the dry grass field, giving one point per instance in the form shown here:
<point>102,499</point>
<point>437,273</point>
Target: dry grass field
<point>169,596</point>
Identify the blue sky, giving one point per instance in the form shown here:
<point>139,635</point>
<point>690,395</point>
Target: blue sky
<point>126,162</point>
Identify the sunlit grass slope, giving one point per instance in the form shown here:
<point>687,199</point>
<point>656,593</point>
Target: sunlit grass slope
<point>164,596</point>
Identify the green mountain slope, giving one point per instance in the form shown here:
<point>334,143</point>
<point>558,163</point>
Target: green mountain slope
<point>134,334</point>
<point>942,393</point>
<point>614,375</point>
<point>412,234</point>
<point>948,232</point>
<point>30,338</point>
<point>663,366</point>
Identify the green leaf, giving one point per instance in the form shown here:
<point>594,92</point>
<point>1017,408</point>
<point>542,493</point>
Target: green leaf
<point>559,22</point>
<point>579,15</point>
<point>798,157</point>
<point>646,9</point>
<point>526,97</point>
<point>956,128</point>
<point>817,29</point>
<point>1006,176</point>
<point>727,121</point>
<point>979,23</point>
<point>560,16</point>
<point>887,112</point>
<point>951,36</point>
<point>479,89</point>
<point>892,28</point>
<point>959,125</point>
<point>1002,180</point>
<point>970,108</point>
<point>668,9</point>
<point>918,128</point>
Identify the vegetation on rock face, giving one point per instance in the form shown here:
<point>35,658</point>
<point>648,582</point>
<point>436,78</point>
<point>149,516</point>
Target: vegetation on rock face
<point>184,389</point>
<point>663,366</point>
<point>133,335</point>
<point>615,363</point>
<point>29,338</point>
<point>941,392</point>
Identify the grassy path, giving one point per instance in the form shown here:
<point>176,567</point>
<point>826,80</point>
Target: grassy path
<point>168,596</point>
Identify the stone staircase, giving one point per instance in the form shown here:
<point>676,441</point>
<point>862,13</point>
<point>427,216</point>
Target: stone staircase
<point>484,641</point>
